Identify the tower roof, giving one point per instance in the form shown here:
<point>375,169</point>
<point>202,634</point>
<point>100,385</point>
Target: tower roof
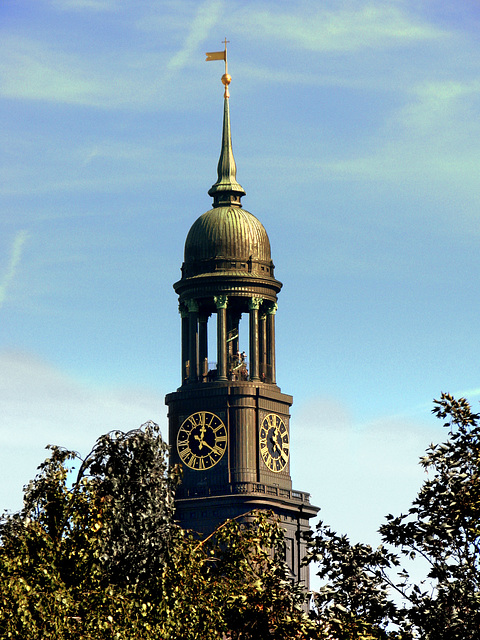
<point>226,190</point>
<point>227,240</point>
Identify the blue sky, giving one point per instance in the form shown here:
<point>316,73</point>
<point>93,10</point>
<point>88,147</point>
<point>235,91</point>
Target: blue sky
<point>356,132</point>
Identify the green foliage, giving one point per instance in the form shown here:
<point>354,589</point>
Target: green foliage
<point>271,605</point>
<point>234,583</point>
<point>66,555</point>
<point>103,558</point>
<point>136,493</point>
<point>441,529</point>
<point>354,599</point>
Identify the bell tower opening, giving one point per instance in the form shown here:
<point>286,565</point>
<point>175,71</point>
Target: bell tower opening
<point>205,359</point>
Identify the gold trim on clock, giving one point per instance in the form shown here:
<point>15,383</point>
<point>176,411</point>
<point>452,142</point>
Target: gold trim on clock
<point>274,442</point>
<point>201,440</point>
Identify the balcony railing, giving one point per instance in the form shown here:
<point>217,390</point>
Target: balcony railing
<point>243,488</point>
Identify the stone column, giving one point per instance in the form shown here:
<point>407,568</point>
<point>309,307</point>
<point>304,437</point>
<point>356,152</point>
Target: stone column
<point>263,347</point>
<point>254,306</point>
<point>182,309</point>
<point>193,338</point>
<point>221,302</point>
<point>203,345</point>
<point>271,311</point>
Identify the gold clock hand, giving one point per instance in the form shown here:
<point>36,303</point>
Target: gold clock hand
<point>201,441</point>
<point>273,438</point>
<point>201,437</point>
<point>208,446</point>
<point>275,444</point>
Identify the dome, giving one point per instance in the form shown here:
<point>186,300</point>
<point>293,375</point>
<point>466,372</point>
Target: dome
<point>226,239</point>
<point>227,232</point>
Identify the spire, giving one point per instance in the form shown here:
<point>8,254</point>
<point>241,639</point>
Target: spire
<point>226,191</point>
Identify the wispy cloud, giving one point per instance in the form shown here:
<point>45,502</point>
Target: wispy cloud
<point>37,68</point>
<point>31,69</point>
<point>60,71</point>
<point>205,19</point>
<point>468,394</point>
<point>15,256</point>
<point>353,27</point>
<point>440,107</point>
<point>86,5</point>
<point>114,150</point>
<point>431,136</point>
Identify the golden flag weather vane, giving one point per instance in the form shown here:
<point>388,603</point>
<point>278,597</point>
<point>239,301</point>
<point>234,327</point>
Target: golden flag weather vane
<point>221,55</point>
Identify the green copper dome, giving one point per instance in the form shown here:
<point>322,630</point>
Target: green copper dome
<point>227,238</point>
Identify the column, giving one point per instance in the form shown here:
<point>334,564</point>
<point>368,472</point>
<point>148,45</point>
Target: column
<point>233,321</point>
<point>203,345</point>
<point>271,311</point>
<point>221,303</point>
<point>193,338</point>
<point>183,311</point>
<point>254,306</point>
<point>263,347</point>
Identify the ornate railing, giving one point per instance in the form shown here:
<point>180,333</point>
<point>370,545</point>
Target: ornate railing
<point>245,487</point>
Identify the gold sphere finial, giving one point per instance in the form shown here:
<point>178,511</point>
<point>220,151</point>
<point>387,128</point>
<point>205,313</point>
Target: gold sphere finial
<point>226,79</point>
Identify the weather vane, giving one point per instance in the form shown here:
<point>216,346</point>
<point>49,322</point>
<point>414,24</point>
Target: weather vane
<point>221,55</point>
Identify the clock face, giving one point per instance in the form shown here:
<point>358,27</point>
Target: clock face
<point>201,440</point>
<point>274,443</point>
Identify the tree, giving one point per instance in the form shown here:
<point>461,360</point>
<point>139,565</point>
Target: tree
<point>102,557</point>
<point>257,594</point>
<point>353,602</point>
<point>65,555</point>
<point>441,528</point>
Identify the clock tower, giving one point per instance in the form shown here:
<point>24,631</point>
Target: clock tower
<point>229,422</point>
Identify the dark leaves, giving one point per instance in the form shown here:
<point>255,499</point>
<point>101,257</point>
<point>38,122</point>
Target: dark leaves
<point>441,530</point>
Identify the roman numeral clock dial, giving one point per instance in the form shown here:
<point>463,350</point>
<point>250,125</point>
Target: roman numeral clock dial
<point>201,440</point>
<point>274,442</point>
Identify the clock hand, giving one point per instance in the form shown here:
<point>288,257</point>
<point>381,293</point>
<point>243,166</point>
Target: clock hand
<point>202,443</point>
<point>274,437</point>
<point>201,437</point>
<point>275,444</point>
<point>208,446</point>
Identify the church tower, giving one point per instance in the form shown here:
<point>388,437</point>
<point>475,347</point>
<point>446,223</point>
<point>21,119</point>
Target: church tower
<point>229,422</point>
